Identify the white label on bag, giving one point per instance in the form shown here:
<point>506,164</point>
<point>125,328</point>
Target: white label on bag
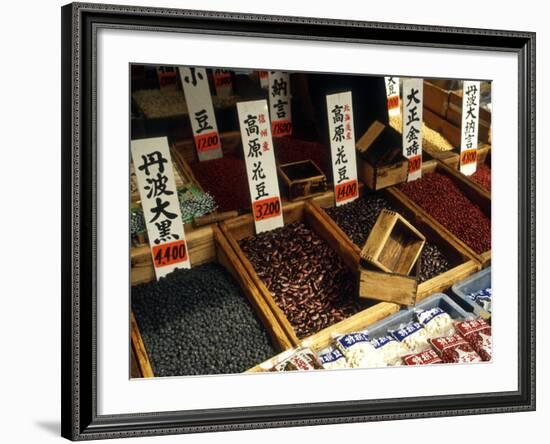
<point>413,92</point>
<point>168,77</point>
<point>469,129</point>
<point>223,82</point>
<point>264,79</point>
<point>392,94</point>
<point>159,200</point>
<point>260,165</point>
<point>342,147</point>
<point>201,113</point>
<point>279,103</point>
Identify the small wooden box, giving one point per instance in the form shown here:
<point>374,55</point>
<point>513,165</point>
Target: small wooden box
<point>388,287</point>
<point>393,245</point>
<point>302,179</point>
<point>380,160</point>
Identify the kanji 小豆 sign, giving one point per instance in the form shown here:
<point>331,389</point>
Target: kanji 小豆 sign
<point>159,200</point>
<point>201,113</point>
<point>260,165</point>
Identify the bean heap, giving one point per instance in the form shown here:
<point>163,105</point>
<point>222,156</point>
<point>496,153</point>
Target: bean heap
<point>441,198</point>
<point>196,322</point>
<point>225,179</point>
<point>357,218</point>
<point>308,281</point>
<point>482,176</point>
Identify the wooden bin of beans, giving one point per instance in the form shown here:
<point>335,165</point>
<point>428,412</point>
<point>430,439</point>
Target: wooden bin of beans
<point>210,319</point>
<point>300,272</point>
<point>443,260</point>
<point>456,208</point>
<point>482,177</point>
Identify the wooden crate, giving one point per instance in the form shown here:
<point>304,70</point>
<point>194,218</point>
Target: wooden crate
<point>243,227</point>
<point>436,99</point>
<point>463,261</point>
<point>301,180</point>
<point>374,171</point>
<point>209,245</point>
<point>475,193</point>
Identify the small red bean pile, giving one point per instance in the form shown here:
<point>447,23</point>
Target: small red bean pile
<point>482,176</point>
<point>225,179</point>
<point>441,198</point>
<point>293,150</point>
<point>307,279</point>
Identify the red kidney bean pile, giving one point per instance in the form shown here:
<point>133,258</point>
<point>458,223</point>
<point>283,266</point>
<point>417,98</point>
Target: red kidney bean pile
<point>482,176</point>
<point>438,195</point>
<point>293,150</point>
<point>357,218</point>
<point>307,279</point>
<point>225,179</point>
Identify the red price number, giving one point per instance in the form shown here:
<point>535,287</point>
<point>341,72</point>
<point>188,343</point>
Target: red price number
<point>393,102</point>
<point>170,253</point>
<point>207,142</point>
<point>346,190</point>
<point>415,163</point>
<point>468,156</point>
<point>266,208</point>
<point>281,128</point>
<point>223,79</point>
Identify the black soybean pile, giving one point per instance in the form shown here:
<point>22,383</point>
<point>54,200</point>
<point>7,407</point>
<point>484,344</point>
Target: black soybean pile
<point>357,218</point>
<point>197,322</point>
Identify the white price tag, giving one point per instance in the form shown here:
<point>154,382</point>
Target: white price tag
<point>260,165</point>
<point>413,93</point>
<point>469,129</point>
<point>392,94</point>
<point>201,113</point>
<point>159,200</point>
<point>279,103</point>
<point>223,82</point>
<point>342,147</point>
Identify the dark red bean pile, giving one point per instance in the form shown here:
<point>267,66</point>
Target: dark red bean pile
<point>289,150</point>
<point>197,322</point>
<point>307,279</point>
<point>482,176</point>
<point>437,194</point>
<point>357,218</point>
<point>225,179</point>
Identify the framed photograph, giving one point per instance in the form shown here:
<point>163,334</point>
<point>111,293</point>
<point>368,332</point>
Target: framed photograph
<point>277,221</point>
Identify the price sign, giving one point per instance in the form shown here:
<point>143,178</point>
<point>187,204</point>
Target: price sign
<point>161,209</point>
<point>392,94</point>
<point>279,103</point>
<point>168,77</point>
<point>201,113</point>
<point>342,147</point>
<point>264,79</point>
<point>223,82</point>
<point>469,129</point>
<point>260,165</point>
<point>413,93</point>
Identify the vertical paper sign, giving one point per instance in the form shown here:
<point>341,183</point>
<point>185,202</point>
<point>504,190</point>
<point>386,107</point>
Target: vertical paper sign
<point>223,82</point>
<point>201,113</point>
<point>392,94</point>
<point>413,92</point>
<point>264,79</point>
<point>279,103</point>
<point>159,200</point>
<point>260,165</point>
<point>342,147</point>
<point>168,77</point>
<point>470,122</point>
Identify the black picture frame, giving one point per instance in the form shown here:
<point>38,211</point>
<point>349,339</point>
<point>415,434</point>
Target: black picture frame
<point>79,397</point>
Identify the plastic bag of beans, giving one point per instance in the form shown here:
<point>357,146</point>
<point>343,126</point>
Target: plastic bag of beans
<point>358,350</point>
<point>391,350</point>
<point>303,359</point>
<point>436,321</point>
<point>331,359</point>
<point>426,357</point>
<point>478,334</point>
<point>455,349</point>
<point>413,335</point>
